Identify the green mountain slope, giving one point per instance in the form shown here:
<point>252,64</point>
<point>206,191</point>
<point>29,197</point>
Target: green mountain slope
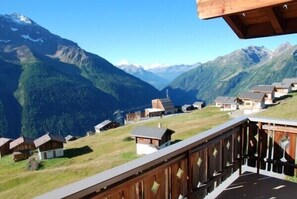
<point>234,73</point>
<point>50,84</point>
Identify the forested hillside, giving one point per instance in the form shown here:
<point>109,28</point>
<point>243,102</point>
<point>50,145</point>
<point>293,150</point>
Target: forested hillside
<point>50,84</point>
<point>234,73</point>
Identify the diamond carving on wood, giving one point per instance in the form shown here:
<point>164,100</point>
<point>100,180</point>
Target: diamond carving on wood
<point>227,164</point>
<point>179,173</point>
<point>215,152</point>
<point>238,139</point>
<point>199,162</point>
<point>155,187</point>
<point>228,145</point>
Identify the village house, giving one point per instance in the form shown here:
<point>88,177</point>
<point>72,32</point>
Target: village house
<point>199,105</point>
<point>227,103</point>
<point>187,108</point>
<point>292,81</point>
<point>49,146</point>
<point>153,112</point>
<point>69,138</point>
<point>151,139</point>
<point>164,104</point>
<point>22,148</point>
<point>4,146</point>
<point>136,116</point>
<point>106,125</point>
<point>282,89</point>
<point>252,102</point>
<point>268,90</point>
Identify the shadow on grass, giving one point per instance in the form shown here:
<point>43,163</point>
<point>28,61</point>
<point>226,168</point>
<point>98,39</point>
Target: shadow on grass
<point>71,153</point>
<point>283,97</point>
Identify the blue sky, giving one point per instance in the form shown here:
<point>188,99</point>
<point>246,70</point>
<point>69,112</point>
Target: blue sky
<point>143,32</point>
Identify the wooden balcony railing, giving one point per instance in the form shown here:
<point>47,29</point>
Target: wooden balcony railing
<point>195,167</point>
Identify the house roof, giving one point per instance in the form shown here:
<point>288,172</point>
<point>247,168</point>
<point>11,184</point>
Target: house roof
<point>263,88</point>
<point>21,140</point>
<point>167,103</point>
<point>290,80</point>
<point>70,138</point>
<point>198,103</point>
<point>48,137</point>
<point>226,100</point>
<point>102,124</point>
<point>150,132</point>
<point>154,110</point>
<point>4,141</point>
<point>253,18</point>
<point>282,85</point>
<point>186,106</point>
<point>252,96</point>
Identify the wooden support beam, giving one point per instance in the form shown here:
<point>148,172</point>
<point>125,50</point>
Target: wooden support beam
<point>236,25</point>
<point>274,20</point>
<point>280,128</point>
<point>217,8</point>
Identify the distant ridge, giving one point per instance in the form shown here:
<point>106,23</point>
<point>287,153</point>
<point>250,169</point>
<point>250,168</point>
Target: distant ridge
<point>234,73</point>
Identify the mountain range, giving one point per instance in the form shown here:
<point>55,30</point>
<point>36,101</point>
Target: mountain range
<point>50,84</point>
<point>234,73</point>
<point>159,77</point>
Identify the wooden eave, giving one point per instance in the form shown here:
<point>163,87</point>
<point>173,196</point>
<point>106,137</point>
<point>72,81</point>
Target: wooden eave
<point>253,18</point>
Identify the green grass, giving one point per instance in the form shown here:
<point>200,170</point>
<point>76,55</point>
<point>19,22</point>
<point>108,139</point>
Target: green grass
<point>287,109</point>
<point>90,155</point>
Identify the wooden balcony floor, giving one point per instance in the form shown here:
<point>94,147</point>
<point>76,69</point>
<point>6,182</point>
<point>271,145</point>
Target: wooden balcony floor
<point>251,186</point>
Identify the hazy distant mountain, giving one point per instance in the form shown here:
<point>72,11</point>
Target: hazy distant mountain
<point>234,73</point>
<point>171,72</point>
<point>50,84</point>
<point>147,76</point>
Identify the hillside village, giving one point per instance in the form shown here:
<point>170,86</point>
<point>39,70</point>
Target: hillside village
<point>150,139</point>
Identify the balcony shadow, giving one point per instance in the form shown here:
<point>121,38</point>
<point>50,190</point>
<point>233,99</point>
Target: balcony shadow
<point>251,185</point>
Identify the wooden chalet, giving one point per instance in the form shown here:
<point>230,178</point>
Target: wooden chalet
<point>292,81</point>
<point>199,105</point>
<point>164,104</point>
<point>252,102</point>
<point>282,89</point>
<point>187,108</point>
<point>227,103</point>
<point>268,90</point>
<point>136,116</point>
<point>22,148</point>
<point>4,146</point>
<point>49,146</point>
<point>70,138</point>
<point>151,139</point>
<point>106,125</point>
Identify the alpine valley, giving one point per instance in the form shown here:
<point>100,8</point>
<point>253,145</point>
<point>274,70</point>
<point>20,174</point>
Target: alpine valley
<point>232,74</point>
<point>50,84</point>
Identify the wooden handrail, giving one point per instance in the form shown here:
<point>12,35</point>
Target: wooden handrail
<point>205,159</point>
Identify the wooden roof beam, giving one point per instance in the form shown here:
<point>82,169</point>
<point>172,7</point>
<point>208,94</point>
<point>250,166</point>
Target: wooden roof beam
<point>217,8</point>
<point>236,25</point>
<point>275,22</point>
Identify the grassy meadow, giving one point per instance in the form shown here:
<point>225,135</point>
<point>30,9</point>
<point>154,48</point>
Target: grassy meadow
<point>287,109</point>
<point>90,155</point>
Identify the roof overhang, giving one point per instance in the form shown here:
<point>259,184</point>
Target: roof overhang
<point>253,18</point>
